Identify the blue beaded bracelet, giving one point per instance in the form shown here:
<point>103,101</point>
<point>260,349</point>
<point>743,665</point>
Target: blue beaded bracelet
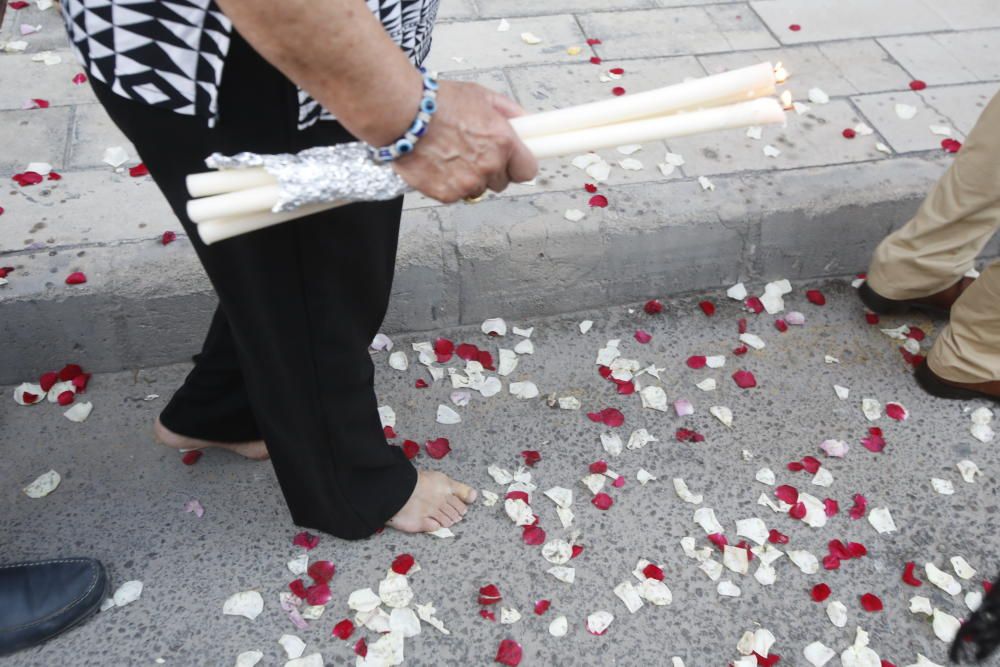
<point>406,143</point>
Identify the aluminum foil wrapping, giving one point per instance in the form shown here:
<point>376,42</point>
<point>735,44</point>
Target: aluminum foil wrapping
<point>344,172</point>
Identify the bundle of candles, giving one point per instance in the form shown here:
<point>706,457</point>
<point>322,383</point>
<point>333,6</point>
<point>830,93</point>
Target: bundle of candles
<point>251,192</point>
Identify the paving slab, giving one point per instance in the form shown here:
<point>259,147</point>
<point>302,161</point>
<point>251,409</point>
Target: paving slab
<point>454,10</point>
<point>122,500</point>
<point>840,68</point>
<point>903,135</point>
<point>961,104</point>
<point>25,79</point>
<point>823,20</point>
<point>35,135</point>
<point>478,45</point>
<point>675,32</point>
<point>947,58</point>
<point>508,8</point>
<point>91,134</point>
<point>811,139</point>
<point>51,36</point>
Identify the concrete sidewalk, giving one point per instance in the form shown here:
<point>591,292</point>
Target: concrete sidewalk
<point>815,210</point>
<point>122,499</point>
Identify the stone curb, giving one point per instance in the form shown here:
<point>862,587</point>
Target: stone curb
<point>145,304</point>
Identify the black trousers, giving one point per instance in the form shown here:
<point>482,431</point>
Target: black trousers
<point>286,356</point>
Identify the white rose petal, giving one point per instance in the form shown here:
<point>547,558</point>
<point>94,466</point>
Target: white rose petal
<point>906,111</point>
<point>529,38</point>
<point>962,568</point>
<point>525,347</point>
<point>942,579</point>
<point>381,342</point>
<point>248,658</point>
<point>129,592</point>
<point>115,156</point>
<point>246,603</point>
<point>712,568</point>
<point>559,626</point>
<point>945,626</point>
<point>920,605</point>
<point>45,484</point>
<point>973,600</point>
<point>753,340</point>
<point>823,477</point>
<point>643,476</point>
<point>599,171</point>
<point>842,392</point>
<point>871,408</point>
<point>654,398</point>
<point>817,654</point>
<point>684,493</point>
<point>804,560</point>
<point>404,621</point>
<point>817,96</point>
<point>771,151</point>
<point>446,415</point>
<point>705,183</point>
<point>708,384</point>
<point>395,590</point>
<point>943,486</point>
<point>79,412</point>
<point>574,214</point>
<point>399,361</point>
<point>640,438</point>
<point>363,600</point>
<point>612,443</point>
<point>836,611</point>
<point>753,528</point>
<point>628,594</point>
<point>494,326</point>
<point>736,559</point>
<point>299,565</point>
<point>968,470</point>
<point>523,390</point>
<point>563,574</point>
<point>294,647</point>
<point>630,164</point>
<point>723,414</point>
<point>765,476</point>
<point>835,448</point>
<point>728,589</point>
<point>765,574</point>
<point>705,517</point>
<point>881,520</point>
<point>27,387</point>
<point>503,26</point>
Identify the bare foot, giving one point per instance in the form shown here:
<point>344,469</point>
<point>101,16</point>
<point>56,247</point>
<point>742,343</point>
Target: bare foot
<point>438,501</point>
<point>255,450</point>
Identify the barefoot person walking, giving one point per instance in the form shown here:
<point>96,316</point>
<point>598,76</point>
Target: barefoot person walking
<point>285,360</point>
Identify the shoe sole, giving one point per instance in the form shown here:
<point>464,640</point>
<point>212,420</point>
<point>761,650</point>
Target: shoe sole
<point>933,385</point>
<point>877,303</point>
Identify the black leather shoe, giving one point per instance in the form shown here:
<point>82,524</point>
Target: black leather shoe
<point>936,385</point>
<point>937,305</point>
<point>42,599</point>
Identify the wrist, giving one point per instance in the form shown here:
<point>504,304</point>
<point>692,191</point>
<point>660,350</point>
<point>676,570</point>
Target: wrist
<point>393,114</point>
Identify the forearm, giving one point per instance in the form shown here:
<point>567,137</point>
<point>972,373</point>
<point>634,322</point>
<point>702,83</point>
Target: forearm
<point>339,53</point>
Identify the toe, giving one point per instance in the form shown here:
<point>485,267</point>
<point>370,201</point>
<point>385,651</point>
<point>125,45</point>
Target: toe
<point>466,493</point>
<point>458,505</point>
<point>442,518</point>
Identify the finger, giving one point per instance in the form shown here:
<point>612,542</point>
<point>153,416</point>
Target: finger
<point>522,165</point>
<point>506,106</point>
<point>458,505</point>
<point>465,493</point>
<point>498,181</point>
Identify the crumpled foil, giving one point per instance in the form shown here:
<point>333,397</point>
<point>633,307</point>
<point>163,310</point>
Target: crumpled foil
<point>344,172</point>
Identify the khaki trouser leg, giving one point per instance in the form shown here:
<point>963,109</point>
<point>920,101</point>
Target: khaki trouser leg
<point>940,244</point>
<point>968,349</point>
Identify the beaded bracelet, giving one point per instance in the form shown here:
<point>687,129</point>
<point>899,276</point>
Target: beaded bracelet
<point>406,143</point>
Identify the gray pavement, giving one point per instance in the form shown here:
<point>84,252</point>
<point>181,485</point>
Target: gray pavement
<point>122,500</point>
<point>517,254</point>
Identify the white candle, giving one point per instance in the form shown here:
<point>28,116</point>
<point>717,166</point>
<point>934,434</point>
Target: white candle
<point>227,180</point>
<point>731,87</point>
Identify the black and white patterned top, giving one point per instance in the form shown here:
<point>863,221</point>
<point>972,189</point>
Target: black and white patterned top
<point>171,53</point>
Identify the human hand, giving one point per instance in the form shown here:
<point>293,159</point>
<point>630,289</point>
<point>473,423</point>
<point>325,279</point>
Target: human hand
<point>469,146</point>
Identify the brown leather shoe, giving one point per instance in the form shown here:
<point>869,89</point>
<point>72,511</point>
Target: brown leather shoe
<point>936,304</point>
<point>936,385</point>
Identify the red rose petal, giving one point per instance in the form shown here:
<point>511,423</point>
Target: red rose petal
<point>987,586</point>
<point>697,361</point>
<point>787,494</point>
<point>951,145</point>
<point>298,588</point>
<point>542,606</point>
<point>532,535</point>
<point>53,176</point>
<point>531,457</point>
<point>643,336</point>
<point>599,467</point>
<point>839,549</point>
<point>488,615</point>
<point>617,70</point>
<point>895,411</point>
<point>886,663</point>
<point>619,482</point>
<point>486,359</point>
<point>76,278</point>
<point>874,442</point>
<point>602,501</point>
<point>595,60</point>
<point>719,540</point>
<point>795,27</point>
<point>517,495</point>
<point>741,350</point>
<point>849,133</point>
<point>138,171</point>
<point>508,653</point>
<point>741,325</point>
<point>856,549</point>
<point>860,506</point>
<point>17,4</point>
<point>816,297</point>
<point>466,351</point>
<point>653,572</point>
<point>410,449</point>
<point>577,550</point>
<point>625,387</point>
<point>798,511</point>
<point>754,305</point>
<point>917,84</point>
<point>870,602</point>
<point>707,307</point>
<point>781,325</point>
<point>872,318</point>
<point>811,464</point>
<point>191,457</point>
<point>361,648</point>
<point>402,563</point>
<point>168,237</point>
<point>321,571</point>
<point>40,103</point>
<point>80,78</point>
<point>344,630</point>
<point>593,41</point>
<point>437,449</point>
<point>772,658</point>
<point>598,201</point>
<point>909,577</point>
<point>820,592</point>
<point>777,537</point>
<point>916,333</point>
<point>489,594</point>
<point>744,379</point>
<point>421,383</point>
<point>617,91</point>
<point>318,594</point>
<point>831,562</point>
<point>831,507</point>
<point>590,187</point>
<point>5,270</point>
<point>28,178</point>
<point>48,380</point>
<point>612,417</point>
<point>604,372</point>
<point>306,539</point>
<point>795,466</point>
<point>69,371</point>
